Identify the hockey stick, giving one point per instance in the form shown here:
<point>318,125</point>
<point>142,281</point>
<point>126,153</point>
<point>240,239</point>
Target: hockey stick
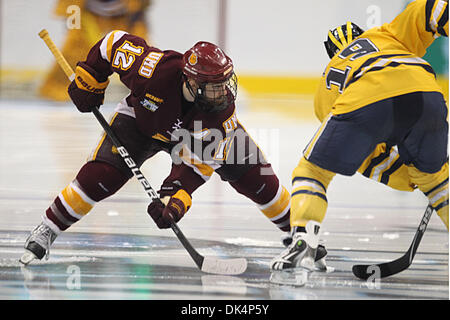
<point>205,264</point>
<point>387,269</point>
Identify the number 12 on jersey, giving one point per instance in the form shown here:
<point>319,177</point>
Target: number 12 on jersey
<point>125,55</point>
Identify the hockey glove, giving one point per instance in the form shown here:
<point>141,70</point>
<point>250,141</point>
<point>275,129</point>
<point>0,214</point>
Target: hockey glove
<point>169,188</point>
<point>86,91</point>
<point>176,207</point>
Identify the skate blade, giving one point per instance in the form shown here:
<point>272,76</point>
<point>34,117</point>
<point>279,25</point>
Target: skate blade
<point>27,257</point>
<point>326,269</point>
<point>321,266</point>
<point>293,277</point>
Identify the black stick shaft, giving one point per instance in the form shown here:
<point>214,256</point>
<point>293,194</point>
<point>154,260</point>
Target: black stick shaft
<point>198,259</point>
<point>123,152</point>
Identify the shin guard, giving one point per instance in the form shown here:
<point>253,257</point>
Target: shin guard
<point>261,185</point>
<point>309,187</point>
<point>95,181</point>
<point>435,187</point>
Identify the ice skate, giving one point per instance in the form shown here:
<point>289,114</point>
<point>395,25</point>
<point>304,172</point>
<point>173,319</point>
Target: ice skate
<point>38,244</point>
<point>321,252</point>
<point>298,255</point>
<point>294,264</point>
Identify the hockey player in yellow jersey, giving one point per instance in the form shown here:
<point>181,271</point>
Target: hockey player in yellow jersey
<point>383,114</point>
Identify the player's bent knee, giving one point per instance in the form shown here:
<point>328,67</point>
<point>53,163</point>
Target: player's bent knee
<point>261,185</point>
<point>100,180</point>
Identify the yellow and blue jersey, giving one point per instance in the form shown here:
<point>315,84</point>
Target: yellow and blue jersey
<point>384,61</point>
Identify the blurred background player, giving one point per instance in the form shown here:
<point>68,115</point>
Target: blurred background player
<point>171,94</point>
<point>382,113</point>
<point>98,17</point>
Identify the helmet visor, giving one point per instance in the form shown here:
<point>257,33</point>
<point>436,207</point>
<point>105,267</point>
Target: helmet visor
<point>216,96</point>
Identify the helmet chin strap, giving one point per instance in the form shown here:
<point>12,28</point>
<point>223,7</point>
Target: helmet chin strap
<point>188,92</point>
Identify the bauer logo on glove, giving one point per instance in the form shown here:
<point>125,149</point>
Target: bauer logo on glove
<point>86,91</point>
<point>85,81</point>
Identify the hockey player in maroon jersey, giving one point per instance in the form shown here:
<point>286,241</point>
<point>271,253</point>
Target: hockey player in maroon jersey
<point>182,104</point>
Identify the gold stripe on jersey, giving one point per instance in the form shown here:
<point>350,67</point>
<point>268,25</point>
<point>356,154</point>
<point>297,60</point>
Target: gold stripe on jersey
<point>160,137</point>
<point>437,17</point>
<point>109,45</point>
<point>188,158</point>
<point>445,28</point>
<point>392,61</point>
<point>204,169</point>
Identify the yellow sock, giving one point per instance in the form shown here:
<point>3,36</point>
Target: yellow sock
<point>308,199</point>
<point>435,187</point>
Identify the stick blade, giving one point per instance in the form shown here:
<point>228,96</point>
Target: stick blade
<point>224,266</point>
<point>360,271</point>
<point>387,269</point>
<point>379,271</point>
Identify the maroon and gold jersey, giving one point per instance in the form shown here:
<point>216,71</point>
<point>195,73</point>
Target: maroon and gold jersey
<point>154,78</point>
<point>155,116</point>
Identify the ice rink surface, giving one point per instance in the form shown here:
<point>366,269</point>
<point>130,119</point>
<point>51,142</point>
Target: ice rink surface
<point>117,252</point>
